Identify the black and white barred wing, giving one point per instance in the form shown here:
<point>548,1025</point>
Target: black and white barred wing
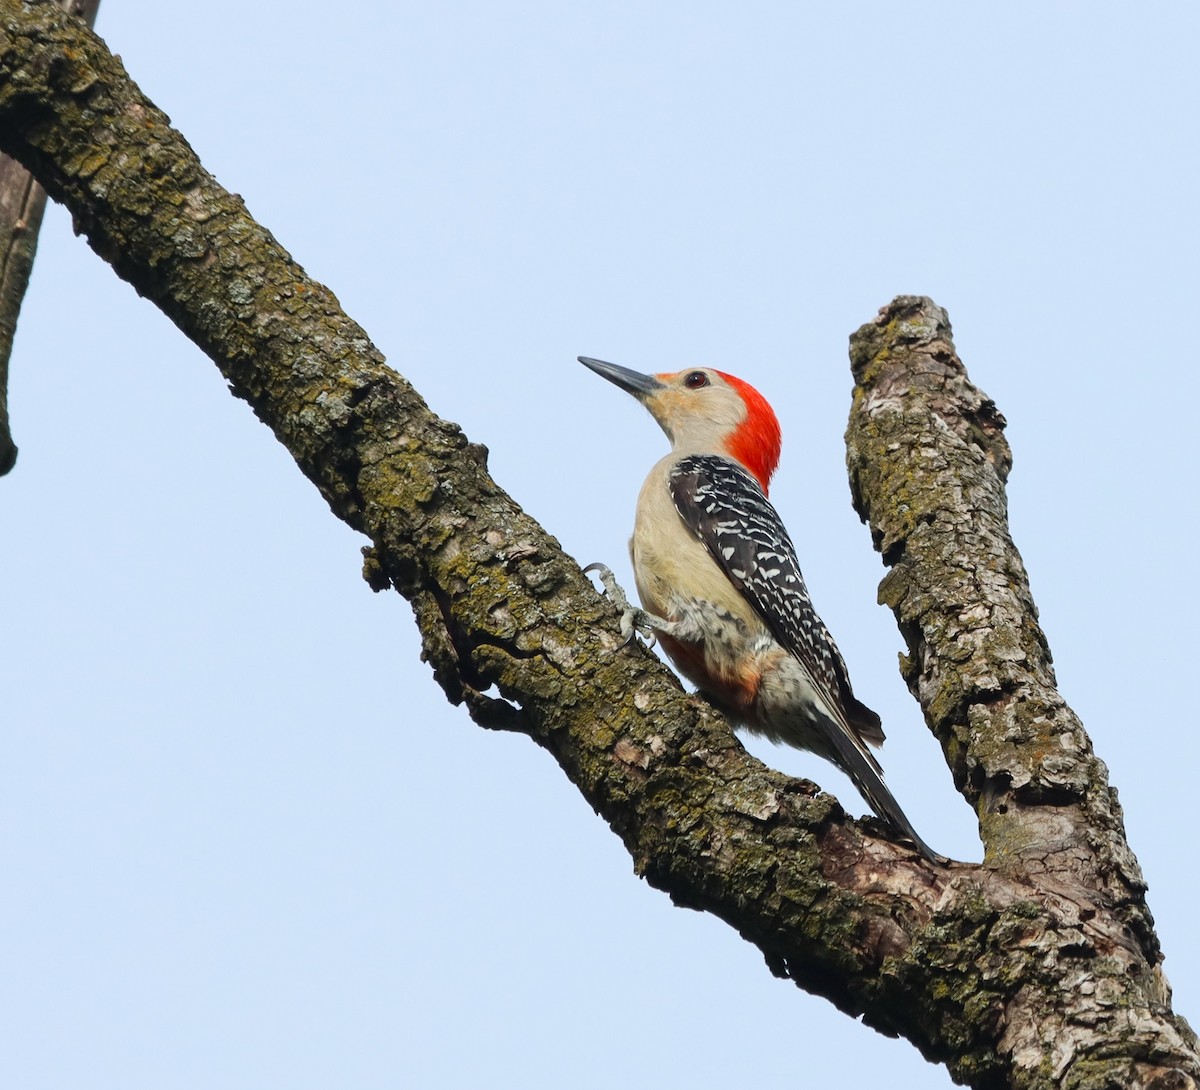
<point>726,508</point>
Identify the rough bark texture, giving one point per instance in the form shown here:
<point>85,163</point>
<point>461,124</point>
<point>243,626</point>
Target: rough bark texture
<point>22,202</point>
<point>1037,969</point>
<point>928,463</point>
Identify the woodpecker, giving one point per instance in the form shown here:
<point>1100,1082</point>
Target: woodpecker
<point>720,584</point>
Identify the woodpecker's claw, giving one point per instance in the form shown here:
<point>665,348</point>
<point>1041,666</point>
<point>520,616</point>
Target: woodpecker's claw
<point>634,621</point>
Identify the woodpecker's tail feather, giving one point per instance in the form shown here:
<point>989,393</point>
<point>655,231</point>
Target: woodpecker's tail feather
<point>865,722</point>
<point>865,774</point>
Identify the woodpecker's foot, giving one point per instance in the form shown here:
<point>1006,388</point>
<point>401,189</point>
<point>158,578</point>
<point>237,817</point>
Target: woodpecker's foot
<point>634,621</point>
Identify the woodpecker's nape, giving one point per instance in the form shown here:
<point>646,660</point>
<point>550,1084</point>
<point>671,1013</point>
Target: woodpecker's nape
<point>721,586</point>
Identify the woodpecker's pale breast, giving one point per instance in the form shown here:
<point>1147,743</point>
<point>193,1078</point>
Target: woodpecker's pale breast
<point>671,562</point>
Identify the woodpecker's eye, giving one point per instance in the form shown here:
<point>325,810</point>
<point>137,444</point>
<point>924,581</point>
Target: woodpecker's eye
<point>695,380</point>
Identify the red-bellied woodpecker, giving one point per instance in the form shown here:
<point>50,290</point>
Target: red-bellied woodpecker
<point>720,584</point>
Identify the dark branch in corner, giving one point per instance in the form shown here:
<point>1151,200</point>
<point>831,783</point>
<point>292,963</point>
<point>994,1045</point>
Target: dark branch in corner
<point>22,203</point>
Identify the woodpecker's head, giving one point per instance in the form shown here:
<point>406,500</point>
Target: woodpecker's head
<point>706,411</point>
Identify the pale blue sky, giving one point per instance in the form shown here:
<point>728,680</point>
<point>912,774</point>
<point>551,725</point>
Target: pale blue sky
<point>246,841</point>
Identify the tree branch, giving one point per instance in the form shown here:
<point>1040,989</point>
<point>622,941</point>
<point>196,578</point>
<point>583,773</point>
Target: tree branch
<point>928,464</point>
<point>22,202</point>
<point>1007,974</point>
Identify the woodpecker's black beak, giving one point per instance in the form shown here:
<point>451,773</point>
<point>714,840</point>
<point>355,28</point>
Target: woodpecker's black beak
<point>633,382</point>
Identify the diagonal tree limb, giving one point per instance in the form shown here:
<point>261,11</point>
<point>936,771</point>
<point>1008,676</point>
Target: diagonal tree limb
<point>22,202</point>
<point>1008,973</point>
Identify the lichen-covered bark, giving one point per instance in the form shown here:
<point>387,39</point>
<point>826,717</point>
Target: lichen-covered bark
<point>1015,973</point>
<point>22,202</point>
<point>928,463</point>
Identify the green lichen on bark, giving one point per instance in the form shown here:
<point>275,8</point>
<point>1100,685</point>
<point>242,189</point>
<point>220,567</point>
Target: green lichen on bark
<point>928,464</point>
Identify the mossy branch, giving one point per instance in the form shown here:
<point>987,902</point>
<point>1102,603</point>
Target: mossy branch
<point>979,967</point>
<point>928,464</point>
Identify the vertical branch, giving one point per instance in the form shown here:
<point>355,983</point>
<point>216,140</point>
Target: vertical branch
<point>928,464</point>
<point>22,202</point>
